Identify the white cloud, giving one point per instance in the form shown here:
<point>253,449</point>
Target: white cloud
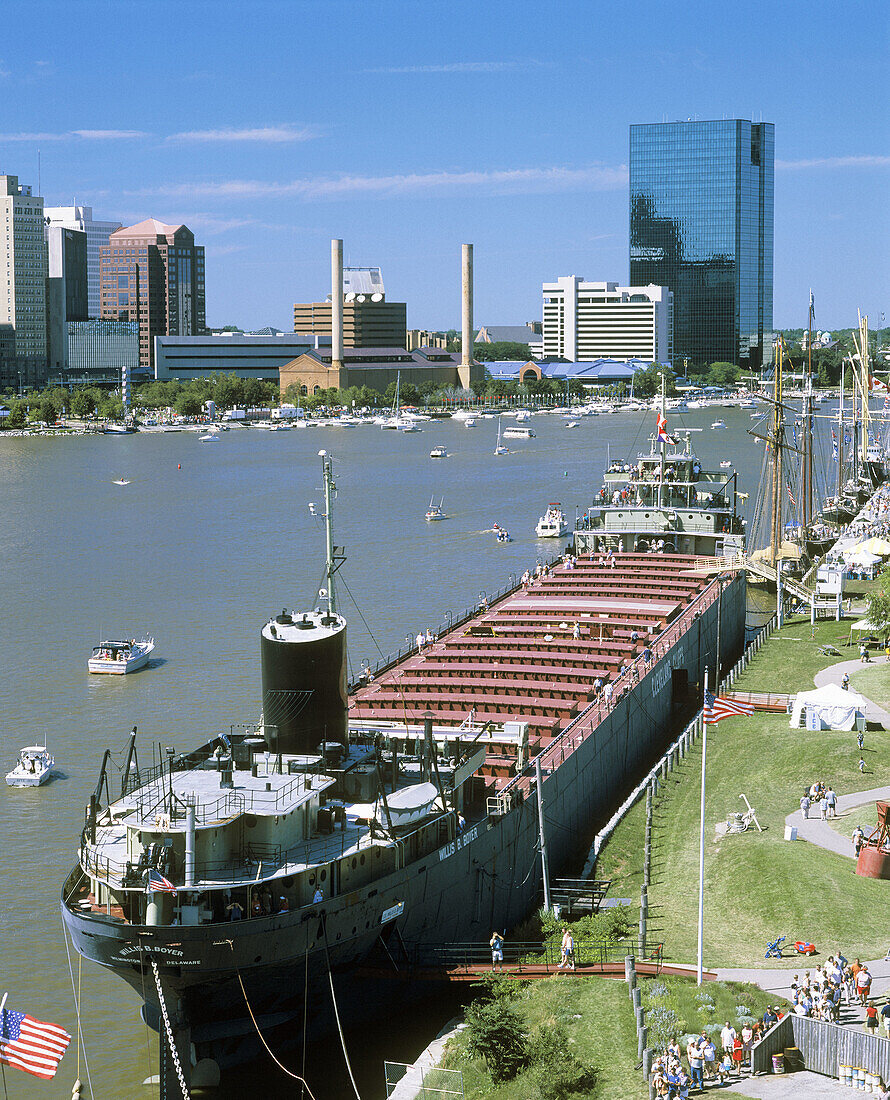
<point>515,181</point>
<point>868,160</point>
<point>458,67</point>
<point>70,135</point>
<point>267,134</point>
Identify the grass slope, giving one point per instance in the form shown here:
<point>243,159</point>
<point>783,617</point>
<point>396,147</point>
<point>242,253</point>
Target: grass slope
<point>757,885</point>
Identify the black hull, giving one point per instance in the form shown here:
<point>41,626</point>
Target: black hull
<point>488,878</point>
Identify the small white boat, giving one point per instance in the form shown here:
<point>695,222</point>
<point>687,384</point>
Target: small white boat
<point>501,534</point>
<point>121,481</point>
<point>212,436</point>
<point>470,422</point>
<point>438,452</point>
<point>499,448</point>
<point>718,425</point>
<point>725,465</point>
<point>572,424</point>
<point>519,433</point>
<point>34,767</point>
<point>435,510</point>
<point>120,657</point>
<point>552,525</point>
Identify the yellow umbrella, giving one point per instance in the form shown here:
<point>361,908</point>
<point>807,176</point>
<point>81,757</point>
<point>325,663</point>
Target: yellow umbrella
<point>876,545</point>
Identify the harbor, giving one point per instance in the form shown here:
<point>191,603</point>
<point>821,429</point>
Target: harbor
<point>219,635</point>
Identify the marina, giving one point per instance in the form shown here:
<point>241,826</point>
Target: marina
<point>228,685</point>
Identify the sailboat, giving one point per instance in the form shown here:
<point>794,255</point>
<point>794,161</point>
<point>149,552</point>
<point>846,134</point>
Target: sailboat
<point>500,449</point>
<point>435,511</point>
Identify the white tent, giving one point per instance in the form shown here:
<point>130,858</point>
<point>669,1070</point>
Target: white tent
<point>828,708</point>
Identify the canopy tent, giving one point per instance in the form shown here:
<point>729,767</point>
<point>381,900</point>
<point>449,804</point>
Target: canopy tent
<point>863,625</point>
<point>875,545</point>
<point>830,708</point>
<point>860,557</point>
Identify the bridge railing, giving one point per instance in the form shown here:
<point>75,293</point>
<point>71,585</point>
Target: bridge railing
<point>531,955</point>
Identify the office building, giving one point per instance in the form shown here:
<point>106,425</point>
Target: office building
<point>97,234</point>
<point>426,338</point>
<point>154,274</point>
<point>246,355</point>
<point>586,321</point>
<point>701,223</point>
<point>100,351</point>
<point>366,324</point>
<point>66,292</point>
<point>23,298</point>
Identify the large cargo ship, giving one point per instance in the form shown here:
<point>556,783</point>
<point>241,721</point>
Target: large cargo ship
<point>238,887</point>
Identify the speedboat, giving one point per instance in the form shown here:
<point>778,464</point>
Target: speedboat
<point>34,767</point>
<point>120,657</point>
<point>211,437</point>
<point>552,525</point>
<point>435,510</point>
<point>501,535</point>
<point>718,425</point>
<point>121,481</point>
<point>438,452</point>
<point>519,433</point>
<point>470,422</point>
<point>725,465</point>
<point>572,424</point>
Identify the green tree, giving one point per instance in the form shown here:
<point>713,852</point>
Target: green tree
<point>723,374</point>
<point>878,603</point>
<point>83,404</point>
<point>44,409</point>
<point>255,393</point>
<point>18,415</point>
<point>558,1074</point>
<point>228,390</point>
<point>111,406</point>
<point>495,1033</point>
<point>189,404</point>
<point>501,350</point>
<point>647,381</point>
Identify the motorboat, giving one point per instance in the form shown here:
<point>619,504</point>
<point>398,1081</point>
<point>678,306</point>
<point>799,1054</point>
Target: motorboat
<point>519,433</point>
<point>438,452</point>
<point>718,425</point>
<point>552,525</point>
<point>470,422</point>
<point>212,436</point>
<point>435,510</point>
<point>726,464</point>
<point>33,769</point>
<point>121,481</point>
<point>572,424</point>
<point>500,449</point>
<point>501,534</point>
<point>118,429</point>
<point>120,657</point>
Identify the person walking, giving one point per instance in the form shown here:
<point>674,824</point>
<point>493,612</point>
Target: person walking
<point>568,950</point>
<point>863,985</point>
<point>845,682</point>
<point>832,802</point>
<point>805,807</point>
<point>871,1019</point>
<point>696,1061</point>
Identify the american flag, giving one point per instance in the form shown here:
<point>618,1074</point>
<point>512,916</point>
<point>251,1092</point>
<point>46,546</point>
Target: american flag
<point>28,1044</point>
<point>159,884</point>
<point>717,708</point>
<point>791,496</point>
<point>662,430</point>
<point>833,444</point>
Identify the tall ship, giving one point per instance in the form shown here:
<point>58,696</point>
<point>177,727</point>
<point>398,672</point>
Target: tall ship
<point>239,887</point>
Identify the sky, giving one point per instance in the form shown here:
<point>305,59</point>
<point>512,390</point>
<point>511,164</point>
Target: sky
<point>407,127</point>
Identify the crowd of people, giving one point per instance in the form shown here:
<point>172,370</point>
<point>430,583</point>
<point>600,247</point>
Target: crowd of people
<point>820,993</point>
<point>672,1079</point>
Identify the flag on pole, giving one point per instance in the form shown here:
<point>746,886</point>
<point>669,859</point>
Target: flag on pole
<point>158,884</point>
<point>812,305</point>
<point>717,708</point>
<point>833,445</point>
<point>30,1045</point>
<point>875,385</point>
<point>791,497</point>
<point>663,436</point>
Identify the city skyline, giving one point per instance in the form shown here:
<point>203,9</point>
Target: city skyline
<point>408,129</point>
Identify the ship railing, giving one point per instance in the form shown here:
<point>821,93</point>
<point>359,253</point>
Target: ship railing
<point>154,805</point>
<point>533,956</point>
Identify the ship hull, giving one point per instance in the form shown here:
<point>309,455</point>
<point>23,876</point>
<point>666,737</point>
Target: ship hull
<point>488,877</point>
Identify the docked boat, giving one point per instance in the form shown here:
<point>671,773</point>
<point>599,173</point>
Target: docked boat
<point>33,769</point>
<point>237,885</point>
<point>118,429</point>
<point>553,523</point>
<point>519,433</point>
<point>120,657</point>
<point>435,511</point>
<point>439,452</point>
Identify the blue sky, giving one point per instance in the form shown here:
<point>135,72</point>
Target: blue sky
<point>407,128</point>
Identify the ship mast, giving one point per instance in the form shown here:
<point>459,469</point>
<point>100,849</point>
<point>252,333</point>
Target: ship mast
<point>777,443</point>
<point>840,435</point>
<point>807,457</point>
<point>662,446</point>
<point>864,387</point>
<point>332,561</point>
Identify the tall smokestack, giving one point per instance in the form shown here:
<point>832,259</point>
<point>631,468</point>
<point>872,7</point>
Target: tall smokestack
<point>466,340</point>
<point>336,305</point>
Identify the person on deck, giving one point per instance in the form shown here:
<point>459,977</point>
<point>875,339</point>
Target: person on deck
<point>496,943</point>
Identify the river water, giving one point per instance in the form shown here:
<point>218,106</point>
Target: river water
<point>199,549</point>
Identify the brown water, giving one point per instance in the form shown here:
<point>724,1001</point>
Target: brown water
<point>204,544</point>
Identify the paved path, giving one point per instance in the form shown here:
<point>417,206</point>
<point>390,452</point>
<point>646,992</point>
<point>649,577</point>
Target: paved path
<point>790,1086</point>
<point>819,832</point>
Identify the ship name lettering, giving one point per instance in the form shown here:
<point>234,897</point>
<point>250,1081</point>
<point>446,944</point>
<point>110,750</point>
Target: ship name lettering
<point>458,842</point>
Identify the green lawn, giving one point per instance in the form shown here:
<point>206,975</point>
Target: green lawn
<point>874,682</point>
<point>757,885</point>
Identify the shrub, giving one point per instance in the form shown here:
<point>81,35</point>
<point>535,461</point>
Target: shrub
<point>664,1024</point>
<point>558,1073</point>
<point>494,1032</point>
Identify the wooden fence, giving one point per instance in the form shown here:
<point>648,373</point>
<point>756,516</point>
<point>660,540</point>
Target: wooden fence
<point>823,1047</point>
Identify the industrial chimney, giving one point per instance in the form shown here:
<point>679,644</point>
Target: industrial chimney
<point>466,340</point>
<point>337,307</point>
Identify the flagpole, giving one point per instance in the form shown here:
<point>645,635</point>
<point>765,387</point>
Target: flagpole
<point>701,841</point>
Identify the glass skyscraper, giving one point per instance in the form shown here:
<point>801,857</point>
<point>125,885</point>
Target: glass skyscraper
<point>701,223</point>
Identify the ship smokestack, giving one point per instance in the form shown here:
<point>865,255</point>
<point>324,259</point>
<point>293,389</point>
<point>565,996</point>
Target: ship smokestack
<point>337,306</point>
<point>466,340</point>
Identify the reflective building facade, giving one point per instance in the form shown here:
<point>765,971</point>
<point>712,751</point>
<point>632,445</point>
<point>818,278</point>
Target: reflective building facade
<point>701,223</point>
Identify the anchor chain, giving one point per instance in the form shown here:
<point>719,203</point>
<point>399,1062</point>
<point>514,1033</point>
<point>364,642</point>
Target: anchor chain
<point>174,1053</point>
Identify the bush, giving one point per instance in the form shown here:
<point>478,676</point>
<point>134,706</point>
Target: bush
<point>558,1074</point>
<point>664,1024</point>
<point>494,1032</point>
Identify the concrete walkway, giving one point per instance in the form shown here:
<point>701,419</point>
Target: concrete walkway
<point>819,832</point>
<point>791,1086</point>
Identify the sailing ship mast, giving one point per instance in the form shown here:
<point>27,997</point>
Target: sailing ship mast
<point>807,455</point>
<point>777,444</point>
